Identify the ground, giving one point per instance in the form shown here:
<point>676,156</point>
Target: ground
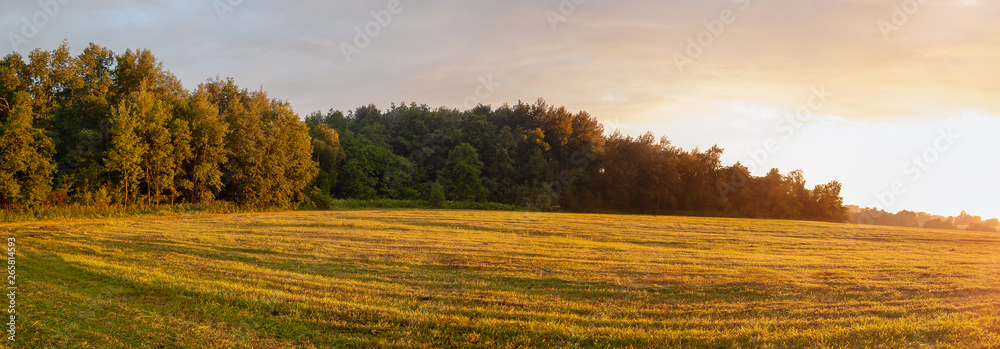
<point>419,278</point>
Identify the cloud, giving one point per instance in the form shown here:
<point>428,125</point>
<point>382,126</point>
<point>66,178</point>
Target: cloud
<point>939,60</point>
<point>615,59</point>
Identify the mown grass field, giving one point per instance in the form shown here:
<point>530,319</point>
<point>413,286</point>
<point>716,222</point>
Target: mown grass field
<point>417,278</point>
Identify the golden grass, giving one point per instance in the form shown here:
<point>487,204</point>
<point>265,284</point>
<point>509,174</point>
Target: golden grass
<point>418,278</point>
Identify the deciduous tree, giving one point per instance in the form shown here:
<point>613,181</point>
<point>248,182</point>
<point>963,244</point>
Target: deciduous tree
<point>26,166</point>
<point>462,174</point>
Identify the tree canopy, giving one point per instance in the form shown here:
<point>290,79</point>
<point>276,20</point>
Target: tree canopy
<point>101,128</point>
<point>106,128</point>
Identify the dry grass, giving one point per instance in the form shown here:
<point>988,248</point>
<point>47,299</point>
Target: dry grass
<point>417,278</point>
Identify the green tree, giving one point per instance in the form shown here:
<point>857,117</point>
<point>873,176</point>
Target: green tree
<point>26,166</point>
<point>371,171</point>
<point>180,143</point>
<point>270,151</point>
<point>291,162</point>
<point>462,174</point>
<point>158,162</point>
<point>136,70</point>
<point>81,124</point>
<point>437,196</point>
<point>208,148</point>
<point>95,67</point>
<point>830,204</point>
<point>126,151</point>
<point>328,153</point>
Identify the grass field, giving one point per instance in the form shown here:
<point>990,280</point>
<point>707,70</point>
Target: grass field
<point>416,278</point>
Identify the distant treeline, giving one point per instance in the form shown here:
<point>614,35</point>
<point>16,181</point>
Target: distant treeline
<point>922,220</point>
<point>118,129</point>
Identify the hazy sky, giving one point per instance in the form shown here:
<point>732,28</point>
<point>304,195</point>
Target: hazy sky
<point>879,95</point>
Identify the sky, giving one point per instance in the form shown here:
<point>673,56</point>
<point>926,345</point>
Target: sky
<point>897,100</point>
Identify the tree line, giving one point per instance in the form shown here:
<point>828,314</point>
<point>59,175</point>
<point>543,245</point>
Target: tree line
<point>119,129</point>
<point>102,128</point>
<point>904,218</point>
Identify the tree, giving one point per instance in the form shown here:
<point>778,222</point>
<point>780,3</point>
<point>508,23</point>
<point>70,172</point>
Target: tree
<point>830,206</point>
<point>967,219</point>
<point>938,223</point>
<point>157,162</point>
<point>328,153</point>
<point>699,174</point>
<point>288,161</point>
<point>270,151</point>
<point>371,171</point>
<point>81,123</point>
<point>180,134</point>
<point>208,152</point>
<point>77,128</point>
<point>906,218</point>
<point>462,174</point>
<point>136,70</point>
<point>126,151</point>
<point>437,196</point>
<point>978,226</point>
<point>95,67</point>
<point>26,166</point>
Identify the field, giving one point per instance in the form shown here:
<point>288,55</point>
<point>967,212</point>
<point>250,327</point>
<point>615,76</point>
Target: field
<point>417,278</point>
